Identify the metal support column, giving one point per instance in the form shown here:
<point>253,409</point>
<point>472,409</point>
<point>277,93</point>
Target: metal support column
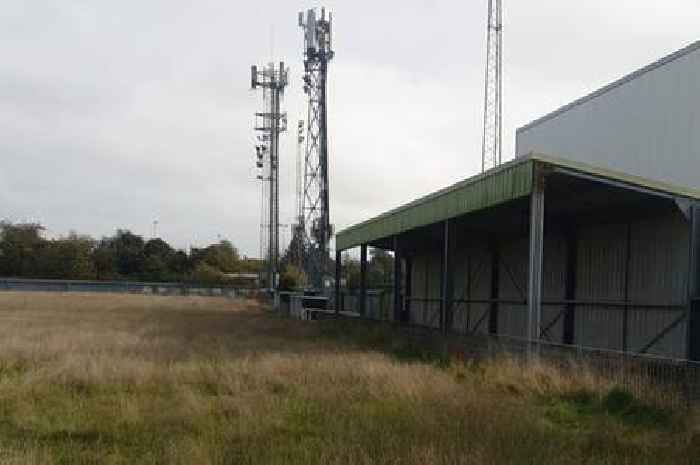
<point>570,286</point>
<point>693,319</point>
<point>338,274</point>
<point>397,280</point>
<point>406,318</point>
<point>495,284</point>
<point>534,300</point>
<point>363,280</point>
<point>447,272</point>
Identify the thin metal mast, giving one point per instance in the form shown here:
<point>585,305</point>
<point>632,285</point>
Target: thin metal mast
<point>270,123</point>
<point>315,198</point>
<point>493,105</point>
<point>299,228</point>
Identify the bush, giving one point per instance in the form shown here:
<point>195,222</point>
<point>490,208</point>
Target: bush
<point>292,278</point>
<point>206,274</point>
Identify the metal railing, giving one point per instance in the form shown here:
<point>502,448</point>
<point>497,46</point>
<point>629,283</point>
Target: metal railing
<point>130,287</point>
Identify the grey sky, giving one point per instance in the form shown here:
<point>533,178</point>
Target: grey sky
<point>113,114</point>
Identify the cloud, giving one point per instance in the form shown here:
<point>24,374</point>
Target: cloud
<point>113,114</point>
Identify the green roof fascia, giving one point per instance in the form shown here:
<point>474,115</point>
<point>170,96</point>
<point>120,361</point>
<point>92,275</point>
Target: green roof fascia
<point>507,182</point>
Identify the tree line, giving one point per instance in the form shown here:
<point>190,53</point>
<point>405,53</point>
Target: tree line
<point>26,253</point>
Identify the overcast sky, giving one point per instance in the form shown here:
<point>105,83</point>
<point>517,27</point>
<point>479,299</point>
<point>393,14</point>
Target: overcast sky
<point>113,114</point>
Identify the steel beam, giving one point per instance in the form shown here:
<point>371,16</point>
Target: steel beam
<point>338,274</point>
<point>536,258</point>
<point>363,280</point>
<point>614,183</point>
<point>447,276</point>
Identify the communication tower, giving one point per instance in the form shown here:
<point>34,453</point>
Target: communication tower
<point>298,234</point>
<point>318,53</point>
<point>493,106</point>
<point>270,123</point>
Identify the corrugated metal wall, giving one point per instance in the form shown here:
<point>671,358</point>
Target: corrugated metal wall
<point>658,264</point>
<point>472,281</point>
<point>554,287</point>
<point>512,278</point>
<point>656,260</point>
<point>426,287</point>
<point>648,126</point>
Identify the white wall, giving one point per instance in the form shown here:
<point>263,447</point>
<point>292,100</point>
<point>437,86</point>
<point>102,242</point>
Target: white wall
<point>648,126</point>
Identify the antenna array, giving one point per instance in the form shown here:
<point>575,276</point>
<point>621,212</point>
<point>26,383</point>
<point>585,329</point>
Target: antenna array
<point>270,123</point>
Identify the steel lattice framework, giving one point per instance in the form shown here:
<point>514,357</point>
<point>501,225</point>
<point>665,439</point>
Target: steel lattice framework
<point>270,124</point>
<point>315,204</point>
<point>493,105</point>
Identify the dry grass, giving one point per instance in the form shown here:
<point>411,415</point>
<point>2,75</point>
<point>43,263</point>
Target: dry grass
<point>137,379</point>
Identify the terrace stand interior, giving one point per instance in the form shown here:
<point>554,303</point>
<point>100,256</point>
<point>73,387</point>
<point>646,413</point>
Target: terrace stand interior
<point>546,251</point>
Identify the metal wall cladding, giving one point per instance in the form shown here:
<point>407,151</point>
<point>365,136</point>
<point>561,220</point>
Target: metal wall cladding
<point>657,266</point>
<point>425,283</point>
<point>510,181</point>
<point>600,277</point>
<point>513,283</point>
<point>659,275</point>
<point>651,269</point>
<point>647,125</point>
<point>553,287</point>
<point>472,281</point>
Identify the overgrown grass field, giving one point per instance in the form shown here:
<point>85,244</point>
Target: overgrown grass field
<point>125,379</point>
